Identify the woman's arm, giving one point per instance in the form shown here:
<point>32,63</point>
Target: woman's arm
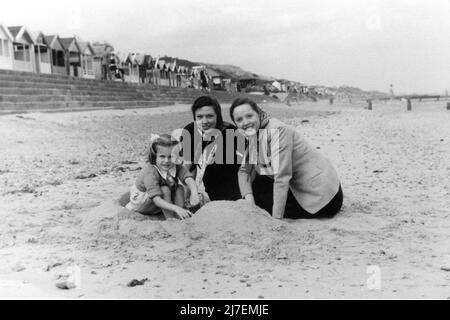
<point>281,147</point>
<point>195,200</point>
<point>245,183</point>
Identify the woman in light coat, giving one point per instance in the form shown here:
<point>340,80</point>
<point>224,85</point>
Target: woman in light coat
<point>281,172</point>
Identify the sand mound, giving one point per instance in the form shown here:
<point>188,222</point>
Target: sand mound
<point>231,222</point>
<point>111,218</point>
<point>227,222</point>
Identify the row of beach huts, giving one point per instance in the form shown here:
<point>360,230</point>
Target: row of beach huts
<point>25,50</point>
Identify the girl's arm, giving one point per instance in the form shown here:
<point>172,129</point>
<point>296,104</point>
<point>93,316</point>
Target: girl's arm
<point>166,206</point>
<point>194,191</point>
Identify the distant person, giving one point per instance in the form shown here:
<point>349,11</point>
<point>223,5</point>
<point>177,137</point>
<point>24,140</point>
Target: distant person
<point>160,185</point>
<point>287,176</point>
<point>204,80</point>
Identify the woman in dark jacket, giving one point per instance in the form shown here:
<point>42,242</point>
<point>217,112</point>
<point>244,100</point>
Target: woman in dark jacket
<point>209,146</point>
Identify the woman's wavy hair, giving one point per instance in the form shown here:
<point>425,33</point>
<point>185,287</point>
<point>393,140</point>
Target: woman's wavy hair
<point>240,101</point>
<point>208,101</point>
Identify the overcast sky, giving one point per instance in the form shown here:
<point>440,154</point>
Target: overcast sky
<point>363,43</point>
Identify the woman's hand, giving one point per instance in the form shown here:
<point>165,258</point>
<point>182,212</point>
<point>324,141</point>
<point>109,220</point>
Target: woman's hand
<point>183,213</point>
<point>249,197</point>
<point>194,199</point>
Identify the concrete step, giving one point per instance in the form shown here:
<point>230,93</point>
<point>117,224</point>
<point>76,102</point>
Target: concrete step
<point>91,83</point>
<point>9,75</point>
<point>33,106</point>
<point>38,85</point>
<point>10,86</point>
<point>24,90</point>
<point>48,91</point>
<point>27,92</point>
<point>94,96</point>
<point>81,97</point>
<point>27,76</point>
<point>9,80</point>
<point>80,109</point>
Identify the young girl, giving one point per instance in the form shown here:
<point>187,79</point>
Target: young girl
<point>159,185</point>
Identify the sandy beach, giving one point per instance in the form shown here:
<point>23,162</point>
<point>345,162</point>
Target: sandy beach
<point>61,173</point>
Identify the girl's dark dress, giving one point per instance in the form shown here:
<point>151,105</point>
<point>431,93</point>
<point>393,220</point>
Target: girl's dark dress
<point>220,180</point>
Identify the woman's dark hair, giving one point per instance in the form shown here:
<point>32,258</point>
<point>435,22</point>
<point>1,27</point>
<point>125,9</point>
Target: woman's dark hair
<point>164,140</point>
<point>240,101</point>
<point>208,101</point>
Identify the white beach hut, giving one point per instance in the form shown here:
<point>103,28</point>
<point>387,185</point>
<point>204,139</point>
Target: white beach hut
<point>87,59</point>
<point>6,48</point>
<point>58,55</point>
<point>23,49</point>
<point>42,53</point>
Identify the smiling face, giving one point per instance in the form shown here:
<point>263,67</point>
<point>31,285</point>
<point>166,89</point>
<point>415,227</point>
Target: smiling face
<point>246,119</point>
<point>164,158</point>
<point>206,118</point>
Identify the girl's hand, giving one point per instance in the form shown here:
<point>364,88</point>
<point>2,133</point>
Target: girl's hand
<point>183,213</point>
<point>195,199</point>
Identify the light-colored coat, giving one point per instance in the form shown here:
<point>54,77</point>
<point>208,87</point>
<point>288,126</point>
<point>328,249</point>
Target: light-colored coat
<point>292,163</point>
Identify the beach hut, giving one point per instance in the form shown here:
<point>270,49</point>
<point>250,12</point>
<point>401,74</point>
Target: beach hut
<point>23,49</point>
<point>122,57</point>
<point>87,59</point>
<point>283,84</point>
<point>58,55</point>
<point>42,53</point>
<point>216,79</point>
<point>116,66</point>
<point>154,72</point>
<point>143,63</point>
<point>277,84</point>
<point>145,68</point>
<point>164,73</point>
<point>73,56</point>
<point>131,68</point>
<point>6,48</point>
<point>101,59</point>
<point>182,77</point>
<point>195,77</point>
<point>172,73</point>
<point>227,84</point>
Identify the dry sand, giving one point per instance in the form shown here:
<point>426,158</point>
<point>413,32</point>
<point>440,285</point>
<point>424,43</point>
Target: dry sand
<point>61,175</point>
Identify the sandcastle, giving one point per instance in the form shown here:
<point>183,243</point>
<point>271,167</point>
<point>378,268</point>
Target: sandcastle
<point>225,221</point>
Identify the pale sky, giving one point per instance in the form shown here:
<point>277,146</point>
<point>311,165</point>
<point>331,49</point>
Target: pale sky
<point>365,43</point>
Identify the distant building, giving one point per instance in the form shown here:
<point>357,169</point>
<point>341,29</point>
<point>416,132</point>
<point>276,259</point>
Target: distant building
<point>87,59</point>
<point>73,56</point>
<point>103,54</point>
<point>42,53</point>
<point>58,55</point>
<point>131,68</point>
<point>6,48</point>
<point>277,85</point>
<point>23,49</point>
<point>164,73</point>
<point>216,80</point>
